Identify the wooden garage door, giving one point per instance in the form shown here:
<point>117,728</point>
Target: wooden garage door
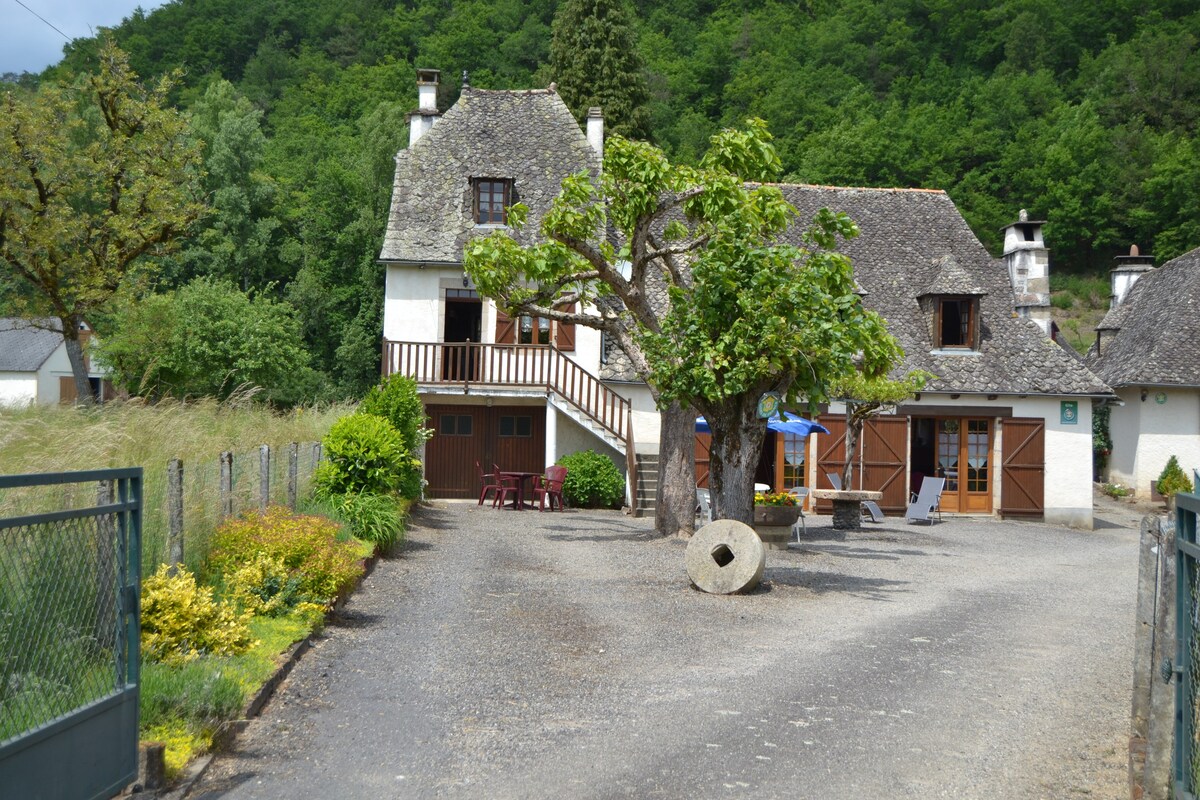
<point>512,436</point>
<point>883,465</point>
<point>1023,468</point>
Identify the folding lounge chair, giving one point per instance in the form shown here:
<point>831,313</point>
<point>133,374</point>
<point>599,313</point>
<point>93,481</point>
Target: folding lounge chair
<point>703,506</point>
<point>929,500</point>
<point>835,480</point>
<point>871,510</point>
<point>800,493</point>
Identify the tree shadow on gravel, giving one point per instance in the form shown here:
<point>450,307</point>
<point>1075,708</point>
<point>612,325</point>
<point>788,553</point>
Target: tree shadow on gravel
<point>349,618</point>
<point>439,519</point>
<point>573,535</point>
<point>849,551</point>
<point>825,582</point>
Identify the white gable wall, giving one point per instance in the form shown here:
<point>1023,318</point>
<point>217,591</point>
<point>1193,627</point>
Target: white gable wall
<point>1147,433</point>
<point>18,388</point>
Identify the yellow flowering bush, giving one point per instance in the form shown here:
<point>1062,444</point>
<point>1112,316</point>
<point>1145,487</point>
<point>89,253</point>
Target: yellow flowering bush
<point>308,546</point>
<point>181,620</point>
<point>774,499</point>
<point>262,586</point>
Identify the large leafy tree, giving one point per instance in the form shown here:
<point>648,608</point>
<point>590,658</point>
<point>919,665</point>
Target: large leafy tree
<point>207,339</point>
<point>745,315</point>
<point>594,60</point>
<point>96,179</point>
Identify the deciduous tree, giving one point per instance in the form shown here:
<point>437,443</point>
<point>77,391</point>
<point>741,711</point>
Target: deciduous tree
<point>96,179</point>
<point>746,314</point>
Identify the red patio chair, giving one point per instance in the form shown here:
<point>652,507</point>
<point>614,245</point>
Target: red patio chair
<point>550,486</point>
<point>485,483</point>
<point>506,485</point>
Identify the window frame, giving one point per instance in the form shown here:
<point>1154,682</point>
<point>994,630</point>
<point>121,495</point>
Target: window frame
<point>477,193</point>
<point>971,331</point>
<point>516,428</point>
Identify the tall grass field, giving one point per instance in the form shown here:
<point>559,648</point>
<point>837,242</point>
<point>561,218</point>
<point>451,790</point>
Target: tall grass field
<point>132,434</point>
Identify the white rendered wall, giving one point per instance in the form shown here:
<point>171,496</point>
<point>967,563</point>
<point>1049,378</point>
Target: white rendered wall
<point>1165,429</point>
<point>1123,422</point>
<point>18,388</point>
<point>573,437</point>
<point>412,303</point>
<point>1068,478</point>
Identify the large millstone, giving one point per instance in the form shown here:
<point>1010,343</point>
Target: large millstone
<point>725,557</point>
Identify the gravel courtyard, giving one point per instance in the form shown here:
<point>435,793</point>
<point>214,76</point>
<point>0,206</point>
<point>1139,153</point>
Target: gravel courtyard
<point>526,655</point>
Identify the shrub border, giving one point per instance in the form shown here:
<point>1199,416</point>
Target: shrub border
<point>228,732</point>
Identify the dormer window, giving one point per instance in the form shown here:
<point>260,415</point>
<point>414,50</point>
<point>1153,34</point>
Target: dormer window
<point>493,196</point>
<point>956,322</point>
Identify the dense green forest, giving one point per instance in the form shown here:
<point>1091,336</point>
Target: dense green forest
<point>1085,113</point>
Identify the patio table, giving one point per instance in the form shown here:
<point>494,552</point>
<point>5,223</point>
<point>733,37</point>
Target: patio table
<point>522,479</point>
<point>847,511</point>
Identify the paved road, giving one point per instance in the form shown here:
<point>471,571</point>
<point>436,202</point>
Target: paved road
<point>510,655</point>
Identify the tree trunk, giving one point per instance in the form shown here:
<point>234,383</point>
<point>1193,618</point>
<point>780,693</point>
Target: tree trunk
<point>737,438</point>
<point>675,498</point>
<point>854,426</point>
<point>83,387</point>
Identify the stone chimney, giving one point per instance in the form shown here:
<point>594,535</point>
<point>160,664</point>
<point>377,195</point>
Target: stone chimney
<point>1028,262</point>
<point>595,129</point>
<point>421,120</point>
<point>1126,273</point>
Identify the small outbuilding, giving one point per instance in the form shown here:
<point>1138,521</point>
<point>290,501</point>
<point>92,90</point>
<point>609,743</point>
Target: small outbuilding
<point>34,367</point>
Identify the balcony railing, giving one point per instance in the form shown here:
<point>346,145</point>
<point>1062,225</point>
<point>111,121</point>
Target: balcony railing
<point>468,364</point>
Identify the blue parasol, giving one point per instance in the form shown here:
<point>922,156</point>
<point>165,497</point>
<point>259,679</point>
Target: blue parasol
<point>793,424</point>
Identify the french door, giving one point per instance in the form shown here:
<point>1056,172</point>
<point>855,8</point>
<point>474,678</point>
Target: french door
<point>964,449</point>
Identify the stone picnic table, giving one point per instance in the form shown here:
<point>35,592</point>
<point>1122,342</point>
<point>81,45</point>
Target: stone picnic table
<point>847,511</point>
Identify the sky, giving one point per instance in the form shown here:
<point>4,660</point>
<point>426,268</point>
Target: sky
<point>28,44</point>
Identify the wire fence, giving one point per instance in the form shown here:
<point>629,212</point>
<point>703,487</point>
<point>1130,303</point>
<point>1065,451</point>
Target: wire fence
<point>185,503</point>
<point>1186,760</point>
<point>68,626</point>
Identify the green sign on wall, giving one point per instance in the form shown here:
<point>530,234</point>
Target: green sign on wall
<point>1069,412</point>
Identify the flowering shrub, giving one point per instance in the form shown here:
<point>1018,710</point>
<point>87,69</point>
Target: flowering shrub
<point>774,499</point>
<point>263,586</point>
<point>308,547</point>
<point>181,621</point>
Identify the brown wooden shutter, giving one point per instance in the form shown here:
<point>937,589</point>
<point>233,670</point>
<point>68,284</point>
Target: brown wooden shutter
<point>831,455</point>
<point>565,337</point>
<point>506,328</point>
<point>883,465</point>
<point>1023,468</point>
<point>703,446</point>
<point>66,390</point>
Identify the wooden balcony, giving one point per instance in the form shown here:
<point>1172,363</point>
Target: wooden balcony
<point>470,365</point>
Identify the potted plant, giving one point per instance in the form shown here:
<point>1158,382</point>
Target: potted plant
<point>774,515</point>
<point>1173,481</point>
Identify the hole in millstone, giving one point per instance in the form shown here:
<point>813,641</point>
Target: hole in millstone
<point>722,555</point>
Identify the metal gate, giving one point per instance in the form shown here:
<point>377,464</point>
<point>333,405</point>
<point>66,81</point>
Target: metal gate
<point>1185,764</point>
<point>69,581</point>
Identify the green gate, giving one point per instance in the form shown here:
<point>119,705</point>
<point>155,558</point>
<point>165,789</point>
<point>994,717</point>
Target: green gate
<point>70,554</point>
<point>1185,766</point>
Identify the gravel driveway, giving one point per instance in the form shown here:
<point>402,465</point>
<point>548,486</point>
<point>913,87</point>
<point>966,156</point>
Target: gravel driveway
<point>526,655</point>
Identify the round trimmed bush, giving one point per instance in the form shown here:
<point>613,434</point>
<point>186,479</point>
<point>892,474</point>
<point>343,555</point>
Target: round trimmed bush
<point>364,453</point>
<point>397,401</point>
<point>593,481</point>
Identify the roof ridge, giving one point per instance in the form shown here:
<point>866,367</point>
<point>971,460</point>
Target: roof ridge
<point>913,189</point>
<point>475,90</point>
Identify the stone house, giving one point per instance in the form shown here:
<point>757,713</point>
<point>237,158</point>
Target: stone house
<point>1147,350</point>
<point>1007,421</point>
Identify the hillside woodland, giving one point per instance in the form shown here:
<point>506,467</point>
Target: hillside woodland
<point>1085,113</point>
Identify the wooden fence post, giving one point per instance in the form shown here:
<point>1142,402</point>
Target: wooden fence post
<point>293,473</point>
<point>264,476</point>
<point>1160,734</point>
<point>226,484</point>
<point>316,457</point>
<point>174,514</point>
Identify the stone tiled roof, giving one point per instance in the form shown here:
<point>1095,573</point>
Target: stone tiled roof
<point>1157,329</point>
<point>527,136</point>
<point>24,348</point>
<point>908,237</point>
<point>951,279</point>
<point>914,242</point>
